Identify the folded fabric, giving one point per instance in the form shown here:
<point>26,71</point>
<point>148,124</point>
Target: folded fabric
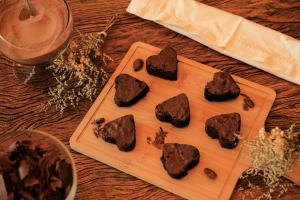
<point>229,34</point>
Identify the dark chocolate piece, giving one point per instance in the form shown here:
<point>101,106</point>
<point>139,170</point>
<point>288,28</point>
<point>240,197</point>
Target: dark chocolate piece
<point>178,159</point>
<point>163,65</point>
<point>210,173</point>
<point>138,65</point>
<point>129,90</point>
<point>120,131</point>
<point>226,128</point>
<point>221,88</point>
<point>175,110</point>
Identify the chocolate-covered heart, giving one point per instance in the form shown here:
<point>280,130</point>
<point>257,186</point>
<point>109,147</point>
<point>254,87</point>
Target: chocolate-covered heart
<point>178,159</point>
<point>226,128</point>
<point>175,110</point>
<point>221,88</point>
<point>163,65</point>
<point>121,132</point>
<point>129,90</point>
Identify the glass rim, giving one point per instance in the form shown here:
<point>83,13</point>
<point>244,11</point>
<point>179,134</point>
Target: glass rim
<point>69,23</point>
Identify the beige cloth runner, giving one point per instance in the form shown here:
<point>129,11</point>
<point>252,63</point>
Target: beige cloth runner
<point>229,34</point>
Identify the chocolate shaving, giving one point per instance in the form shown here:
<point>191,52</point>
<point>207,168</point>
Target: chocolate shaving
<point>31,172</point>
<point>248,102</point>
<point>100,121</point>
<point>149,140</point>
<point>159,140</point>
<point>210,173</point>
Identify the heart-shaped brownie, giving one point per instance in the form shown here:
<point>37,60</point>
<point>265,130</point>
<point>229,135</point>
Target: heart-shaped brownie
<point>129,90</point>
<point>178,159</point>
<point>226,128</point>
<point>121,132</point>
<point>175,110</point>
<point>163,65</point>
<point>221,88</point>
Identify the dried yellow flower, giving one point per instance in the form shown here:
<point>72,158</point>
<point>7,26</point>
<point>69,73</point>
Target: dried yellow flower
<point>271,155</point>
<point>77,72</point>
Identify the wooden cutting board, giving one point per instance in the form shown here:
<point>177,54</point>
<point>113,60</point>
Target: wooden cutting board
<point>144,161</point>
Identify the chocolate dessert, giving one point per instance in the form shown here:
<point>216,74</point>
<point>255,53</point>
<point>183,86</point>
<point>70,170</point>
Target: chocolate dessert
<point>221,88</point>
<point>178,159</point>
<point>175,110</point>
<point>129,90</point>
<point>120,131</point>
<point>163,65</point>
<point>30,171</point>
<point>226,128</point>
<point>138,65</point>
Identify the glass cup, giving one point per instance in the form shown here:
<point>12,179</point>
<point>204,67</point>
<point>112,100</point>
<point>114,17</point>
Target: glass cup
<point>36,33</point>
<point>48,143</point>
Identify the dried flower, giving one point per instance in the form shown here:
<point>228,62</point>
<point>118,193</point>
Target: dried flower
<point>79,71</point>
<point>272,154</point>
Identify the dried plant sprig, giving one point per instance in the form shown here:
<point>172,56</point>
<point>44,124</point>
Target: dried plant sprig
<point>271,155</point>
<point>79,71</point>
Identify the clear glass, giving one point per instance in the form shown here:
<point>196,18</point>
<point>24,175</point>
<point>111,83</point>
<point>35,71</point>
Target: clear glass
<point>37,39</point>
<point>49,143</point>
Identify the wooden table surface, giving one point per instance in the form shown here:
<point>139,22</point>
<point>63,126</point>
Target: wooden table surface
<point>20,104</point>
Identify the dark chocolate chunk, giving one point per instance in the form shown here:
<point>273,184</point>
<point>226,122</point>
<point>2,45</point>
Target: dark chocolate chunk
<point>129,90</point>
<point>121,132</point>
<point>175,110</point>
<point>226,128</point>
<point>163,65</point>
<point>210,173</point>
<point>178,159</point>
<point>138,65</point>
<point>221,88</point>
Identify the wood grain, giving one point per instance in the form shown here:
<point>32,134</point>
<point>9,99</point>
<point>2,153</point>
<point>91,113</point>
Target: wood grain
<point>20,104</point>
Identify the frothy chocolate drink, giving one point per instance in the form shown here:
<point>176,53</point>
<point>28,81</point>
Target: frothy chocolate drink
<point>36,38</point>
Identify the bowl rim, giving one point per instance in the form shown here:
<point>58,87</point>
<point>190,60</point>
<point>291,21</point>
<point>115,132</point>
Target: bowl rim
<point>73,189</point>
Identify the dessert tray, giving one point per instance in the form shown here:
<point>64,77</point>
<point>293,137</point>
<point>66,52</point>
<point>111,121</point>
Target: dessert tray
<point>144,160</point>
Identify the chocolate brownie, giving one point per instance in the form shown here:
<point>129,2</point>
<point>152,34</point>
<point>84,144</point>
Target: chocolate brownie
<point>121,132</point>
<point>163,65</point>
<point>175,110</point>
<point>221,88</point>
<point>226,128</point>
<point>178,159</point>
<point>129,90</point>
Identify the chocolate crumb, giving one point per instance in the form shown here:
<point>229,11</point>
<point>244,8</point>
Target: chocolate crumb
<point>138,65</point>
<point>248,102</point>
<point>210,173</point>
<point>159,140</point>
<point>149,140</point>
<point>100,121</point>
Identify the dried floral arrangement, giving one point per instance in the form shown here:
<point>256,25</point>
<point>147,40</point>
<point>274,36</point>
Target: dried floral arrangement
<point>79,72</point>
<point>271,155</point>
